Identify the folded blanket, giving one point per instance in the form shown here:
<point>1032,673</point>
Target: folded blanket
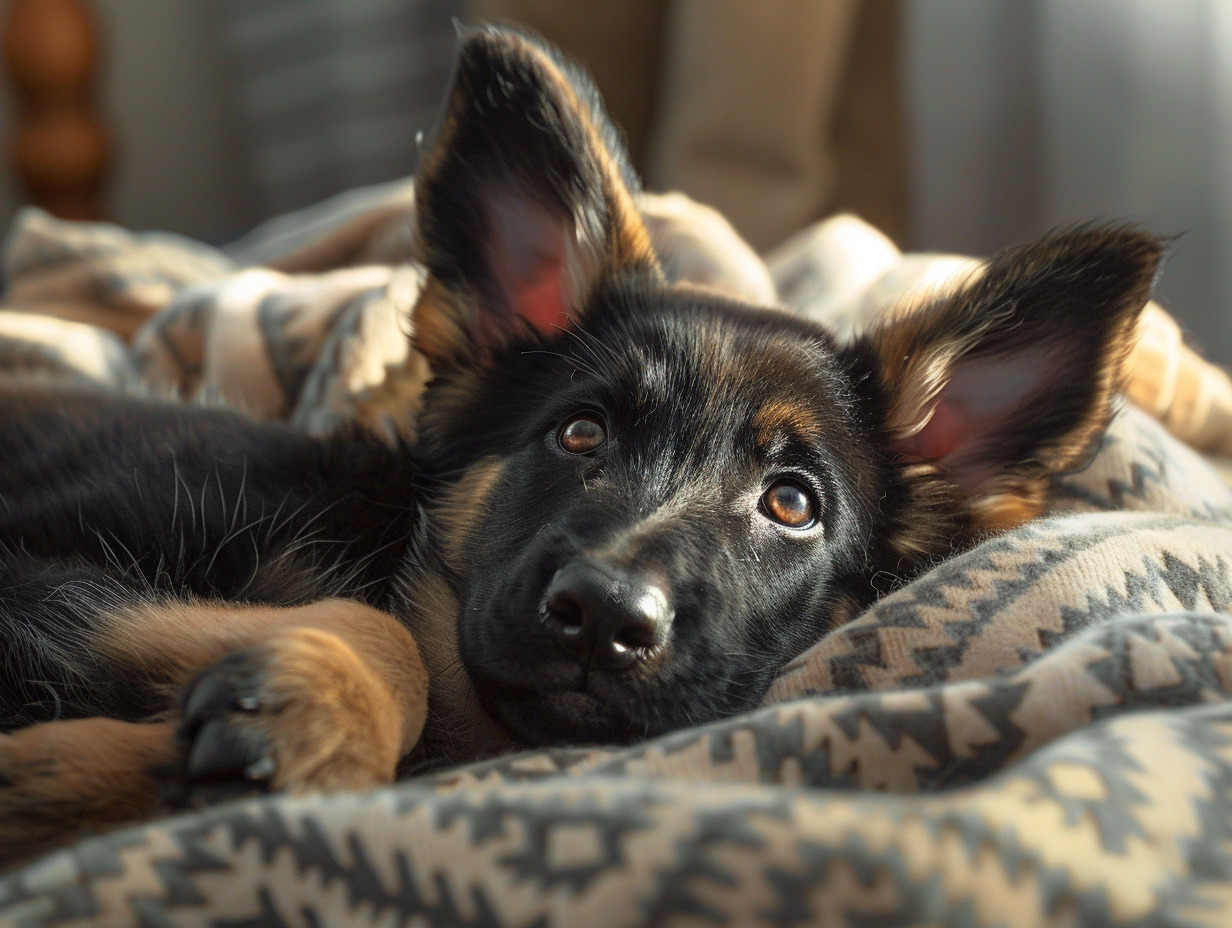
<point>1036,731</point>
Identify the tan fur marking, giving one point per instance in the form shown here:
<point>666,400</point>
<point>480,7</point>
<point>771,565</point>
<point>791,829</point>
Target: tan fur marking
<point>330,721</point>
<point>457,725</point>
<point>1000,512</point>
<point>62,780</point>
<point>458,510</point>
<point>342,696</point>
<point>174,642</point>
<point>440,317</point>
<point>782,416</point>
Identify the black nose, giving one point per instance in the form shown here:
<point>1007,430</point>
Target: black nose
<point>605,616</point>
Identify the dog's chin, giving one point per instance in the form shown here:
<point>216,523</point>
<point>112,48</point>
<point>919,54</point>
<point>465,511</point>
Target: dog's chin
<point>547,717</point>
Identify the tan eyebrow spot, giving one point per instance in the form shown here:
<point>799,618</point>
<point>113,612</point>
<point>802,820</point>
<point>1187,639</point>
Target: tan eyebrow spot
<point>783,416</point>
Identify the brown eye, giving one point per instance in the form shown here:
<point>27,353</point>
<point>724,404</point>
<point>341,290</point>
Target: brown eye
<point>583,433</point>
<point>790,504</point>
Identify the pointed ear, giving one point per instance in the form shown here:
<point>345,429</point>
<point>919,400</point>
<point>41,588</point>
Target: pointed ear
<point>524,201</point>
<point>1010,379</point>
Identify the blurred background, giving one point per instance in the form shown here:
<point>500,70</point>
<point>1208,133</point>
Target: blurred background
<point>951,125</point>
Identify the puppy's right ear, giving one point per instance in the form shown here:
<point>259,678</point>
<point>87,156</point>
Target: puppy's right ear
<point>524,202</point>
<point>1007,381</point>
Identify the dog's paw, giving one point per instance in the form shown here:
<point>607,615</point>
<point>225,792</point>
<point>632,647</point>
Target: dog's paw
<point>300,711</point>
<point>62,780</point>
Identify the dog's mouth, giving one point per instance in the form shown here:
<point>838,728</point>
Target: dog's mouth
<point>543,716</point>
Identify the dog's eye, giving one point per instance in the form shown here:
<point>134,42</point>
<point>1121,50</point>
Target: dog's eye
<point>790,504</point>
<point>583,433</point>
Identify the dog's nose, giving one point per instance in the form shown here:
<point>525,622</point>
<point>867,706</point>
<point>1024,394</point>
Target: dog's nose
<point>605,616</point>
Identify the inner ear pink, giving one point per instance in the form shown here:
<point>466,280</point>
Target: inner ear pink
<point>940,437</point>
<point>541,300</point>
<point>528,257</point>
<point>984,398</point>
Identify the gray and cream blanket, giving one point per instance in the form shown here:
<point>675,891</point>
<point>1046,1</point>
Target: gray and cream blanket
<point>1037,731</point>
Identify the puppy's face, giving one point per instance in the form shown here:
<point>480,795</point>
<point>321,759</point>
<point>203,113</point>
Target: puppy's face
<point>662,512</point>
<point>653,497</point>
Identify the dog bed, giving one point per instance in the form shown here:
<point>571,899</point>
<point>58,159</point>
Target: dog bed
<point>1035,732</point>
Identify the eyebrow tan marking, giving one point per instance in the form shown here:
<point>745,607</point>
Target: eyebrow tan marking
<point>780,417</point>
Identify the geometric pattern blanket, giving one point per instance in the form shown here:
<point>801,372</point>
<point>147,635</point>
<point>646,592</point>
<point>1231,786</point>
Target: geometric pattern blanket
<point>1037,731</point>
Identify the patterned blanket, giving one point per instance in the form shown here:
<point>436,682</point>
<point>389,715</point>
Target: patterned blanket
<point>1034,732</point>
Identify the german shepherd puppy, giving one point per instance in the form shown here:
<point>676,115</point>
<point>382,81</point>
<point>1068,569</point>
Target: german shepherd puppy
<point>629,504</point>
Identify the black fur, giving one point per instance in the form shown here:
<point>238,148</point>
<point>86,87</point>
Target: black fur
<point>106,499</point>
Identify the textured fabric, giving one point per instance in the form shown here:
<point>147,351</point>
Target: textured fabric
<point>1034,732</point>
<point>316,335</point>
<point>1093,786</point>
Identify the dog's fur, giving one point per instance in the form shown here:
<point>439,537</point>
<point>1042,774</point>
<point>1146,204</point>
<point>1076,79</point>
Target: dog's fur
<point>629,504</point>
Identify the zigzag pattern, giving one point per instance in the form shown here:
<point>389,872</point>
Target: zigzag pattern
<point>1052,838</point>
<point>1140,468</point>
<point>941,736</point>
<point>934,623</point>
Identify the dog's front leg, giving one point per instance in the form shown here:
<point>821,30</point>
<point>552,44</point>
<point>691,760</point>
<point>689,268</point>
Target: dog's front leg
<point>325,696</point>
<point>63,780</point>
<point>331,697</point>
<point>328,695</point>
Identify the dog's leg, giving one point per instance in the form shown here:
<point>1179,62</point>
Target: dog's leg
<point>62,780</point>
<point>81,643</point>
<point>329,695</point>
<point>324,696</point>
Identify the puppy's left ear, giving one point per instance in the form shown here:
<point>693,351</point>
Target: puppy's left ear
<point>524,201</point>
<point>1009,380</point>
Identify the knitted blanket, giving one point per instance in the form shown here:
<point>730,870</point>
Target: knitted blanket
<point>1034,732</point>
